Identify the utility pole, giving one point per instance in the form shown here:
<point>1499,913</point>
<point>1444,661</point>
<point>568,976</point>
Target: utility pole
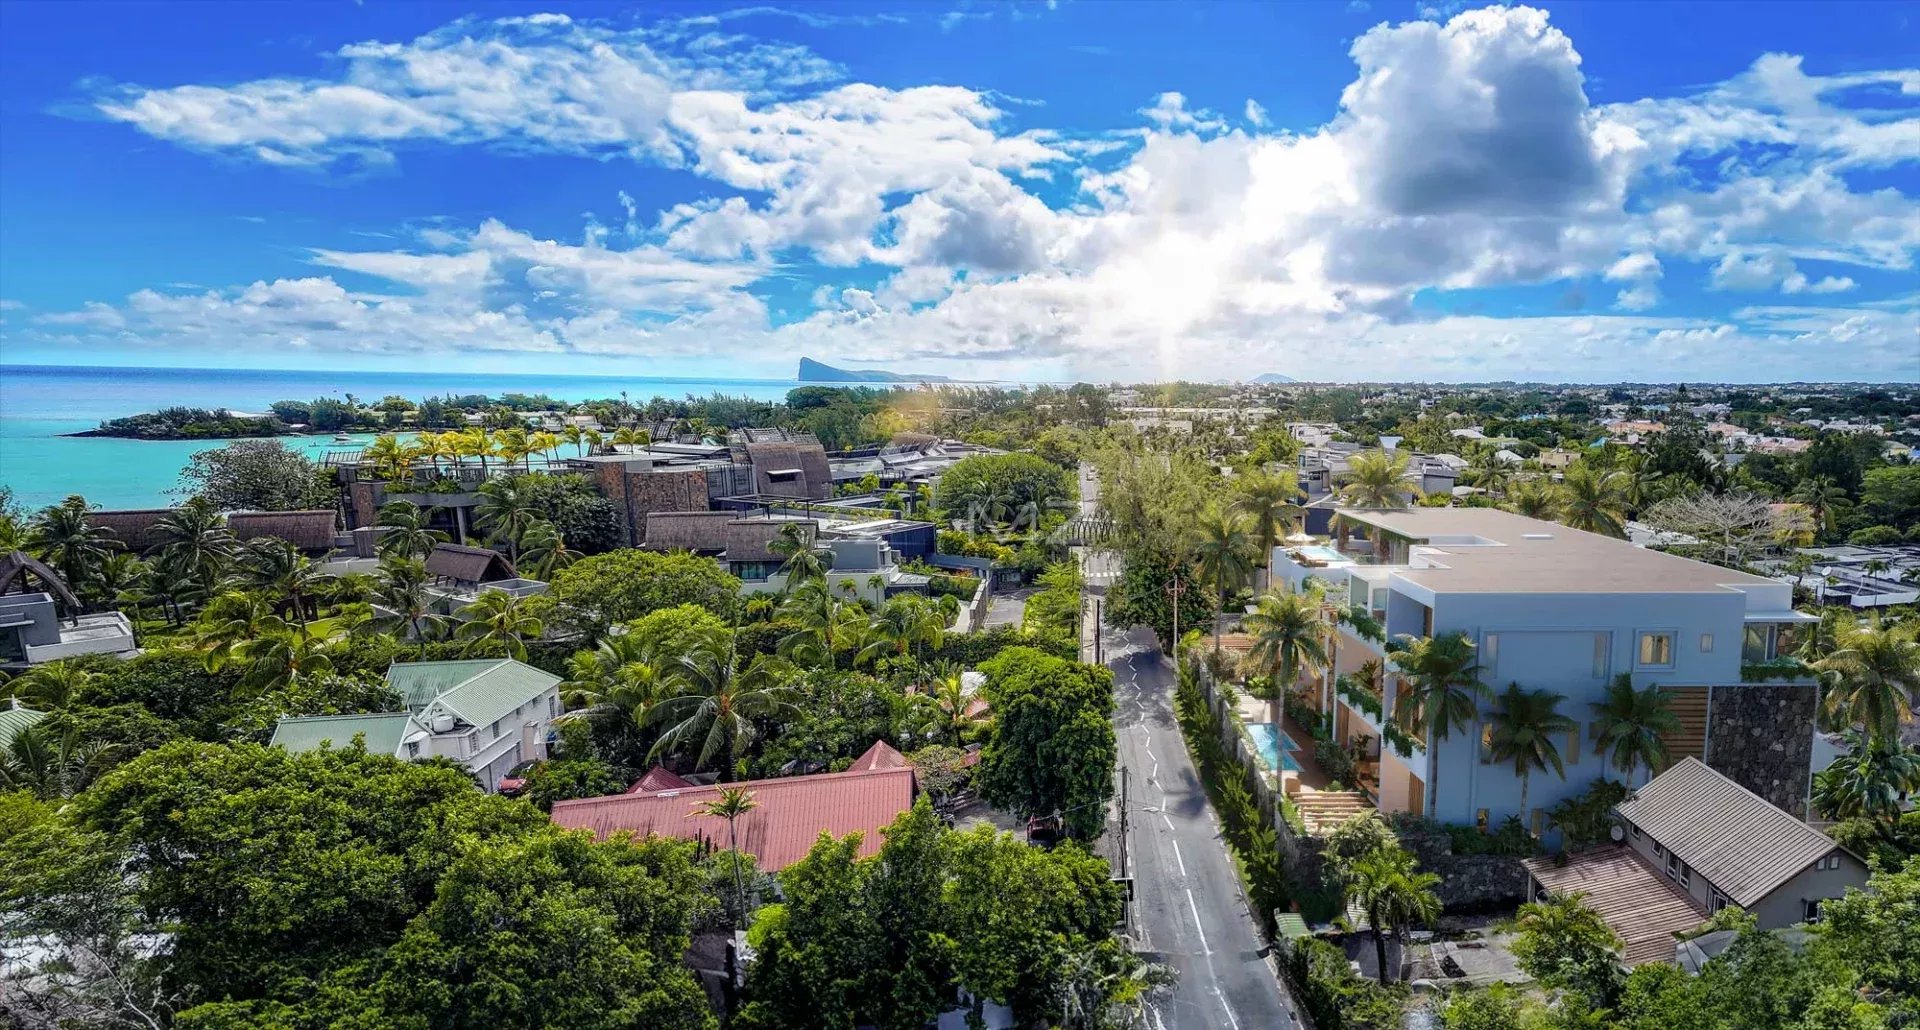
<point>1123,822</point>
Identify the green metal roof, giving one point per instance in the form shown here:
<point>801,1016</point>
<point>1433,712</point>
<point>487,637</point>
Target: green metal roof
<point>418,683</point>
<point>384,731</point>
<point>1290,926</point>
<point>13,720</point>
<point>478,691</point>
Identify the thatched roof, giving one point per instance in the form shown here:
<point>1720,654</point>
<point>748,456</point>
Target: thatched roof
<point>791,470</point>
<point>133,527</point>
<point>752,539</point>
<point>469,564</point>
<point>17,566</point>
<point>698,531</point>
<point>307,530</point>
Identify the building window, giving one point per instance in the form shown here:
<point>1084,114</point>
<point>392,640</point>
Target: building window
<point>1673,867</point>
<point>1634,828</point>
<point>1573,744</point>
<point>1757,643</point>
<point>1717,902</point>
<point>1481,821</point>
<point>1706,643</point>
<point>1486,745</point>
<point>493,730</point>
<point>1659,850</point>
<point>553,706</point>
<point>1602,645</point>
<point>1539,822</point>
<point>1490,653</point>
<point>1810,909</point>
<point>413,750</point>
<point>1686,876</point>
<point>1656,649</point>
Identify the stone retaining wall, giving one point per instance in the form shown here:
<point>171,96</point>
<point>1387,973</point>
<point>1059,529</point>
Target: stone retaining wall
<point>1761,737</point>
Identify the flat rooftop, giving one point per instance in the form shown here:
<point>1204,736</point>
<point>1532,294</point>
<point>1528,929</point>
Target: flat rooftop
<point>1486,550</point>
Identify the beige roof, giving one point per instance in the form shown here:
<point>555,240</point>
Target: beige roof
<point>468,564</point>
<point>1735,838</point>
<point>1516,555</point>
<point>1643,907</point>
<point>310,530</point>
<point>688,530</point>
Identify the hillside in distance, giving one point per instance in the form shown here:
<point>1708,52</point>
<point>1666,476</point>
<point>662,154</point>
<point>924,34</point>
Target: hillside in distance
<point>812,371</point>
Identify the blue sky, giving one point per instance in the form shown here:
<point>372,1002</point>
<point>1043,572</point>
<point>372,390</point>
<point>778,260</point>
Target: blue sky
<point>1102,191</point>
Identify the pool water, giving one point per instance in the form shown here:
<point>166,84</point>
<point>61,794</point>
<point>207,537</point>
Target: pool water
<point>1274,745</point>
<point>1322,553</point>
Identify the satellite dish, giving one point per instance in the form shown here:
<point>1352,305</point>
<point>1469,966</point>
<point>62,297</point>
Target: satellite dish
<point>1618,833</point>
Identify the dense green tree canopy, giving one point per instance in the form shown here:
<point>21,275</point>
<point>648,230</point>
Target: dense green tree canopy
<point>595,593</point>
<point>1052,749</point>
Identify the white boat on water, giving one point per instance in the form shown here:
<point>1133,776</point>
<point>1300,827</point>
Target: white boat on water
<point>342,438</point>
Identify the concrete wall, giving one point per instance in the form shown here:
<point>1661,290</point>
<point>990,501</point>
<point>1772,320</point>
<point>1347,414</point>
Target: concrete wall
<point>1786,905</point>
<point>1549,641</point>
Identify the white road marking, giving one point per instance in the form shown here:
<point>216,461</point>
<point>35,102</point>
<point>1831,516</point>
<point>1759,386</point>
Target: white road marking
<point>1181,861</point>
<point>1200,929</point>
<point>1224,1007</point>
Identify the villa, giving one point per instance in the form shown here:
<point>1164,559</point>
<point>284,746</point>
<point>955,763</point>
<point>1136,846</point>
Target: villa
<point>1691,843</point>
<point>1551,607</point>
<point>864,558</point>
<point>45,625</point>
<point>488,715</point>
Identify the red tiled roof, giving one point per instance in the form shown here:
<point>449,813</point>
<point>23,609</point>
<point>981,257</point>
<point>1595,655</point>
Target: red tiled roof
<point>880,756</point>
<point>658,779</point>
<point>792,813</point>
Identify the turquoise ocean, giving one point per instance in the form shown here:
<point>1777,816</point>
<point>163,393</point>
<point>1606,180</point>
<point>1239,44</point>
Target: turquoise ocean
<point>40,403</point>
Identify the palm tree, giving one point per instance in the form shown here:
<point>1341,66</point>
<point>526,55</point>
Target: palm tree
<point>573,435</point>
<point>51,764</point>
<point>284,661</point>
<point>1870,781</point>
<point>544,551</point>
<point>797,544</point>
<point>1822,498</point>
<point>592,438</point>
<point>62,537</point>
<point>1386,884</point>
<point>901,625</point>
<point>514,444</point>
<point>1378,479</point>
<point>1872,678</point>
<point>1595,501</point>
<point>1633,724</point>
<point>1444,678</point>
<point>233,619</point>
<point>1224,552</point>
<point>403,591</point>
<point>476,442</point>
<point>195,543</point>
<point>820,620</point>
<point>730,804</point>
<point>717,703</point>
<point>506,510</point>
<point>620,679</point>
<point>121,574</point>
<point>1537,498</point>
<point>405,530</point>
<point>1287,643</point>
<point>1525,730</point>
<point>498,617</point>
<point>545,443</point>
<point>627,436</point>
<point>278,569</point>
<point>951,702</point>
<point>1489,472</point>
<point>52,686</point>
<point>390,459</point>
<point>1270,503</point>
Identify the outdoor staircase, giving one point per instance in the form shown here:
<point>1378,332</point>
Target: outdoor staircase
<point>1322,810</point>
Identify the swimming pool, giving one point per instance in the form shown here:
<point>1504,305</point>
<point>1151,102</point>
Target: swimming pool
<point>1274,746</point>
<point>1322,553</point>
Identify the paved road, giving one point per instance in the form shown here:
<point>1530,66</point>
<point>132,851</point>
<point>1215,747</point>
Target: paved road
<point>1188,904</point>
